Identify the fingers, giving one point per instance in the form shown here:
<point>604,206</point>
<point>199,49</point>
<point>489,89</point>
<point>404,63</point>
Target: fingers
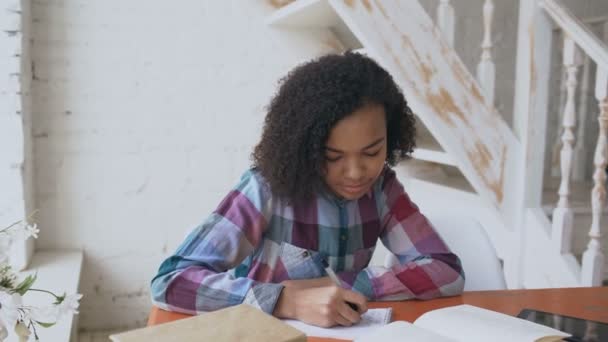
<point>336,313</point>
<point>356,298</point>
<point>339,319</point>
<point>328,306</point>
<point>348,314</point>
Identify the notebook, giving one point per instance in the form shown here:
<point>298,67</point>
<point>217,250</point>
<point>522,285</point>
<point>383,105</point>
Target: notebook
<point>370,321</point>
<point>465,323</point>
<point>237,323</point>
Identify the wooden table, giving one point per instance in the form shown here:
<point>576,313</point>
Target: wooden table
<point>585,302</point>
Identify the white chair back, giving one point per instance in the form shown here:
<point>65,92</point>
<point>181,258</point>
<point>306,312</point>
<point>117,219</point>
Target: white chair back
<point>467,239</point>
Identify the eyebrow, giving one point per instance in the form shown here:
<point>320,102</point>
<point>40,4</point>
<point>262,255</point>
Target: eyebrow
<point>374,143</point>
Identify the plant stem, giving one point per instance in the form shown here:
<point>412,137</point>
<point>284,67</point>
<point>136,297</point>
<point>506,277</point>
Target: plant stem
<point>46,291</point>
<point>10,226</point>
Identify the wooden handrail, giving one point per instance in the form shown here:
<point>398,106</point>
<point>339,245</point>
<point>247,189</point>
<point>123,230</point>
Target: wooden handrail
<point>584,38</point>
<point>591,21</point>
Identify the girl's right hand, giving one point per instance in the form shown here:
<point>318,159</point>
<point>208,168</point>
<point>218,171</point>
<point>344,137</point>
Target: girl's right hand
<point>321,306</point>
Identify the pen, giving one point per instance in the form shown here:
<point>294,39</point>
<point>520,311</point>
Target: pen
<point>337,281</point>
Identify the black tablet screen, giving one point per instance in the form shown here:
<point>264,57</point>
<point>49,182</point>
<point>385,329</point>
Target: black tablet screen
<point>580,329</point>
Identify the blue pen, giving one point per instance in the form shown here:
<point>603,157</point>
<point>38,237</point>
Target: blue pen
<point>336,281</point>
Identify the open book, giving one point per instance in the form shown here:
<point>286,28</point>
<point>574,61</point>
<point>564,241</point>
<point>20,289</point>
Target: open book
<point>465,323</point>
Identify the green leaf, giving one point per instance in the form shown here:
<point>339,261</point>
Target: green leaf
<point>25,285</point>
<point>60,299</point>
<point>45,325</point>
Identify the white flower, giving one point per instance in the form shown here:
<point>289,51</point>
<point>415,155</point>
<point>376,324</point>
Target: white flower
<point>31,230</point>
<point>9,305</point>
<point>45,314</point>
<point>22,231</point>
<point>22,331</point>
<point>3,332</point>
<point>69,305</point>
<point>13,315</point>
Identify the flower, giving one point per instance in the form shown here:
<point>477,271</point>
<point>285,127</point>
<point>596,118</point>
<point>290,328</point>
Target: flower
<point>45,314</point>
<point>21,231</point>
<point>3,332</point>
<point>13,314</point>
<point>69,304</point>
<point>9,308</point>
<point>22,331</point>
<point>31,230</point>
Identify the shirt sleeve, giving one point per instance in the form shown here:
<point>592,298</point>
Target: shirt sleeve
<point>427,268</point>
<point>197,279</point>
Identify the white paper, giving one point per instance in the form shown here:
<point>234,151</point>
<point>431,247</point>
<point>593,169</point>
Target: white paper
<point>403,331</point>
<point>470,323</point>
<point>370,321</point>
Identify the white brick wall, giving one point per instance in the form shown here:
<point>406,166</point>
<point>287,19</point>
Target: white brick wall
<point>15,126</point>
<point>145,113</point>
<point>135,114</point>
<point>11,125</point>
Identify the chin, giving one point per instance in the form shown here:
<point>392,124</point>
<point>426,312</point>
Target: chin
<point>350,197</point>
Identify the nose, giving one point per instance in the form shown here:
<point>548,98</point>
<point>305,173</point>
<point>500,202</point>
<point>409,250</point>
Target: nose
<point>354,170</point>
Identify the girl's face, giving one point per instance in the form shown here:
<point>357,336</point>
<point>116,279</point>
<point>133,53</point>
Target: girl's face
<point>355,152</point>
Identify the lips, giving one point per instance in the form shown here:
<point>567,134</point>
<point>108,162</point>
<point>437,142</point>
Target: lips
<point>354,188</point>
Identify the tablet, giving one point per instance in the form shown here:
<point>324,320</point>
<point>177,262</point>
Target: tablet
<point>580,329</point>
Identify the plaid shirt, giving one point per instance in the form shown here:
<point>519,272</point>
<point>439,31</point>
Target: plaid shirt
<point>254,240</point>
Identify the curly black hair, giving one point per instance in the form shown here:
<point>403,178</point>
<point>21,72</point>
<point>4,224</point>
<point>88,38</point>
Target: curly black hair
<point>310,100</point>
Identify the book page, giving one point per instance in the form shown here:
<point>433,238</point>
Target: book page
<point>403,331</point>
<point>370,321</point>
<point>470,323</point>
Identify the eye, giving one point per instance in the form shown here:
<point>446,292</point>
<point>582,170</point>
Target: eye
<point>334,159</point>
<point>372,154</point>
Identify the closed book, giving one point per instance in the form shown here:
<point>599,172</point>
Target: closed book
<point>237,323</point>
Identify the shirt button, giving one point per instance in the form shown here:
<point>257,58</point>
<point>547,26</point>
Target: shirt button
<point>343,237</point>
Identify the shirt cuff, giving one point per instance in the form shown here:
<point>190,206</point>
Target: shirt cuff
<point>363,285</point>
<point>263,296</point>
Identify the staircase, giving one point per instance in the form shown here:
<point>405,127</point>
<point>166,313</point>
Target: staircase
<point>582,215</point>
<point>467,156</point>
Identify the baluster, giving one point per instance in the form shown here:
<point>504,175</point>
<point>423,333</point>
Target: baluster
<point>580,157</point>
<point>445,20</point>
<point>562,214</point>
<point>593,258</point>
<point>557,145</point>
<point>486,71</point>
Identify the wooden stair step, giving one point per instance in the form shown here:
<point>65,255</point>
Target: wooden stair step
<point>428,148</point>
<point>444,176</point>
<point>314,14</point>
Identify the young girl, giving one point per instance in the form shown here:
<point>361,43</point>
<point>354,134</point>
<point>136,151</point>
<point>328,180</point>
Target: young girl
<point>321,190</point>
